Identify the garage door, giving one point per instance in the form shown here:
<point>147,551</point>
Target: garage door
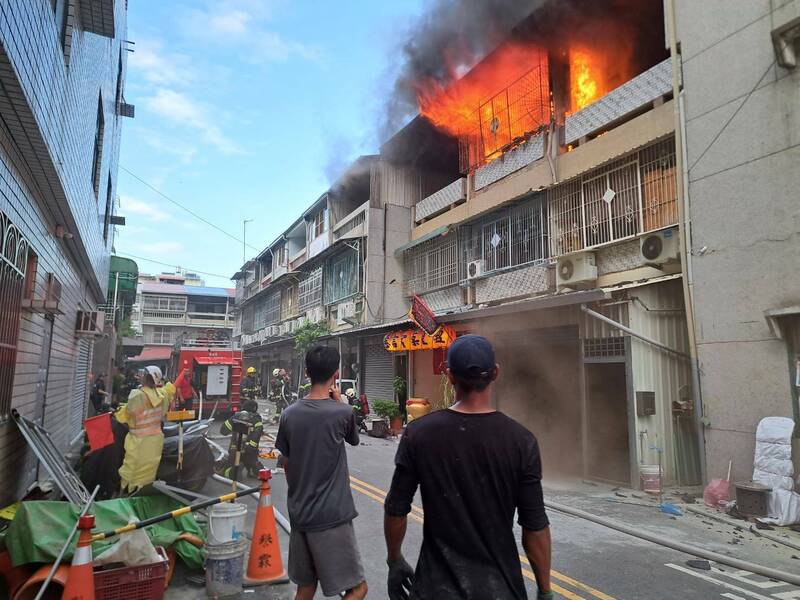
<point>80,387</point>
<point>378,370</point>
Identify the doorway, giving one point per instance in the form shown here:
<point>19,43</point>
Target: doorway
<point>607,416</point>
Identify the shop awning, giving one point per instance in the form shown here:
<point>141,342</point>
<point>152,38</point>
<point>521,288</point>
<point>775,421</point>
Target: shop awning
<point>444,229</point>
<point>213,360</point>
<point>568,299</point>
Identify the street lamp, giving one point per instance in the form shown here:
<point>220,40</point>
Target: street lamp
<point>244,239</point>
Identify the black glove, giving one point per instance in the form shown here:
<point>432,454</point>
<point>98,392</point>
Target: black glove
<point>400,580</point>
<point>545,595</point>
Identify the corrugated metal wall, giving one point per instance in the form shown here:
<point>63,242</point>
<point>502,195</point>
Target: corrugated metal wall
<point>657,311</point>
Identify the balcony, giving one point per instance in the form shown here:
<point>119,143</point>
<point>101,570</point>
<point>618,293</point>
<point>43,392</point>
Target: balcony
<point>297,260</point>
<point>353,225</point>
<point>319,244</point>
<point>445,199</point>
<point>190,319</point>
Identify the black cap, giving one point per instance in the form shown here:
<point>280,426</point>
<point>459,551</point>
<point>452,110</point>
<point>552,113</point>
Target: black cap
<point>472,357</point>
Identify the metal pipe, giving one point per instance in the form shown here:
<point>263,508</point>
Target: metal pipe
<point>631,332</point>
<point>679,546</point>
<point>682,180</point>
<point>60,556</point>
<point>279,518</point>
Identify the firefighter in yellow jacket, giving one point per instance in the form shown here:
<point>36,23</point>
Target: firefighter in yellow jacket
<point>144,443</point>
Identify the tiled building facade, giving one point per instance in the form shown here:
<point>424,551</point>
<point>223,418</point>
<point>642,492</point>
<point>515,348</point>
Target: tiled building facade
<point>62,69</point>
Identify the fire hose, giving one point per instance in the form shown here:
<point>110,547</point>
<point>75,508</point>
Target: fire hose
<point>679,546</point>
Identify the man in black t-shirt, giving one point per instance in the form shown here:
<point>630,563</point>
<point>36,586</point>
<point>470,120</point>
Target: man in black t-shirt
<point>475,467</point>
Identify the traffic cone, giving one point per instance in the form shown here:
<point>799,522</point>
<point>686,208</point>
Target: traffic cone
<point>265,565</point>
<point>80,584</point>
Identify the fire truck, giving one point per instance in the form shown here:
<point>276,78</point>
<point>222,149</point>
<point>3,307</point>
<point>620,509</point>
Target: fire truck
<point>215,367</point>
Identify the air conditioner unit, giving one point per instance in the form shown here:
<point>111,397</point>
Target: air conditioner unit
<point>49,302</point>
<point>475,269</point>
<point>660,248</point>
<point>576,271</point>
<point>89,323</point>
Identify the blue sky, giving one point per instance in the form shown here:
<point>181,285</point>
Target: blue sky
<point>245,109</point>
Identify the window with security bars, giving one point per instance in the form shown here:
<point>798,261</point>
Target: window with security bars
<point>432,265</point>
<point>309,292</point>
<point>342,276</point>
<point>512,238</point>
<point>289,302</point>
<point>164,303</point>
<point>631,196</point>
<point>13,267</point>
<point>272,309</point>
<point>604,347</point>
<point>259,316</point>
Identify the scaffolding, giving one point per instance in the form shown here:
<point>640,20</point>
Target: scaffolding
<point>507,118</point>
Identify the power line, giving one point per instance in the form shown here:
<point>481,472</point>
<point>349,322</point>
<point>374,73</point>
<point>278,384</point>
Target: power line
<point>188,210</point>
<point>158,262</point>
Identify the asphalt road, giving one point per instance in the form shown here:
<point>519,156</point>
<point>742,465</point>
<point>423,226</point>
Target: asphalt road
<point>590,562</point>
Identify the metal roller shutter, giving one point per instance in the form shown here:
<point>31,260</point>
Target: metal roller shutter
<point>378,370</point>
<point>80,388</point>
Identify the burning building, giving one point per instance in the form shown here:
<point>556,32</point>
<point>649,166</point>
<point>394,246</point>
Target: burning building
<point>555,233</point>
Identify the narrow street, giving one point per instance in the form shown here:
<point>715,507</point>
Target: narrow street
<point>589,561</point>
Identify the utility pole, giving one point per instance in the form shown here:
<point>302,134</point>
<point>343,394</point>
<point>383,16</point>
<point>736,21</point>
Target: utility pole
<point>244,239</point>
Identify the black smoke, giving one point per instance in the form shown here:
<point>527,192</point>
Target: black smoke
<point>451,35</point>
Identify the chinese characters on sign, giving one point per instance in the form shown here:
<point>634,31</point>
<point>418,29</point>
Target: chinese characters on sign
<point>415,339</point>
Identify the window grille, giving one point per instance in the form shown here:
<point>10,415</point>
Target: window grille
<point>248,319</point>
<point>97,155</point>
<point>161,335</point>
<point>342,276</point>
<point>513,238</point>
<point>259,315</point>
<point>272,308</point>
<point>320,223</point>
<point>288,302</point>
<point>616,202</point>
<point>310,290</point>
<point>13,265</point>
<point>432,264</point>
<point>604,347</point>
<point>165,303</point>
<point>351,224</point>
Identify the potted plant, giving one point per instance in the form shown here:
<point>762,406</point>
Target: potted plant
<point>390,412</point>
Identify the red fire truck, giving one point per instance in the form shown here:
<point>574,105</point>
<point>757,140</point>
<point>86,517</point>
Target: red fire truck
<point>216,372</point>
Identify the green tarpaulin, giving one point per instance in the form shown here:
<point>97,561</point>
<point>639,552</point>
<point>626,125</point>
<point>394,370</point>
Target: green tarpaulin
<point>40,529</point>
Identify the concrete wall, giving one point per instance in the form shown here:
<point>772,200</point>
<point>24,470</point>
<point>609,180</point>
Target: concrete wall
<point>63,103</point>
<point>743,145</point>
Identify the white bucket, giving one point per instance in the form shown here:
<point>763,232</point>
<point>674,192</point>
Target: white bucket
<point>224,567</point>
<point>226,523</point>
<point>650,476</point>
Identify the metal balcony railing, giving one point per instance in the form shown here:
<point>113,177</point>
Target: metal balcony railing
<point>160,317</point>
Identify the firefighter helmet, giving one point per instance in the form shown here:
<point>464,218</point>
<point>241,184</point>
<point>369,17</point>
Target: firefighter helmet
<point>276,372</point>
<point>350,393</point>
<point>251,370</point>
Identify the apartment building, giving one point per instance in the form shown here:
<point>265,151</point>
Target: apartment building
<point>556,234</point>
<point>62,69</point>
<point>740,110</point>
<point>173,308</point>
<point>334,265</point>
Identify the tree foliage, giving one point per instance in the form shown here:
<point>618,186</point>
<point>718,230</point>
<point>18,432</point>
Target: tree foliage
<point>308,334</point>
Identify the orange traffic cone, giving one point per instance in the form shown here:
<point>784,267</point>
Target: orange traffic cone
<point>80,584</point>
<point>265,565</point>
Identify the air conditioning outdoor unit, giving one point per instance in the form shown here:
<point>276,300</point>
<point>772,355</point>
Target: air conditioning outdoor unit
<point>576,271</point>
<point>660,248</point>
<point>345,311</point>
<point>475,269</point>
<point>89,323</point>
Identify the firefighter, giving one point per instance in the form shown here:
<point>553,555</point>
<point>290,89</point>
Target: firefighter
<point>144,443</point>
<point>250,384</point>
<point>247,423</point>
<point>279,389</point>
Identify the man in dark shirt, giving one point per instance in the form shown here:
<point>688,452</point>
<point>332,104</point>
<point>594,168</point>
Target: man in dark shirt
<point>474,467</point>
<point>311,436</point>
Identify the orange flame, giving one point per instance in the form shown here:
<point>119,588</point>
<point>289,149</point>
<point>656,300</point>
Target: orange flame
<point>504,97</point>
<point>595,72</point>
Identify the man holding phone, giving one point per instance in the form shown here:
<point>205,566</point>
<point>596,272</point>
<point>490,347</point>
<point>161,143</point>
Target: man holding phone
<point>311,436</point>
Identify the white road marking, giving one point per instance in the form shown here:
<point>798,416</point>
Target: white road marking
<point>792,595</point>
<point>732,596</point>
<point>745,577</point>
<point>725,584</point>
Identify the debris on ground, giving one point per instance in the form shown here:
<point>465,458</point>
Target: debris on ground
<point>670,509</point>
<point>703,565</point>
<point>760,525</point>
<point>620,494</point>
